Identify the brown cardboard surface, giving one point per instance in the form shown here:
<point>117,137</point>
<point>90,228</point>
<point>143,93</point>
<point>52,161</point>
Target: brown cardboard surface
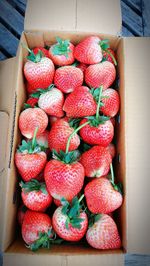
<point>137,132</point>
<point>4,120</point>
<point>6,84</point>
<point>74,15</point>
<point>7,68</point>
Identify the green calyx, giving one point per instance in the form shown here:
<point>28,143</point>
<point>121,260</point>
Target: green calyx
<point>118,187</point>
<point>93,218</point>
<point>72,210</point>
<point>104,44</point>
<point>61,48</point>
<point>30,146</point>
<point>74,122</point>
<point>39,91</point>
<point>45,240</point>
<point>32,57</point>
<point>67,158</point>
<point>33,185</point>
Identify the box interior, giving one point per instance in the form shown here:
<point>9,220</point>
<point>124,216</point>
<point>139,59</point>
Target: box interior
<point>11,241</point>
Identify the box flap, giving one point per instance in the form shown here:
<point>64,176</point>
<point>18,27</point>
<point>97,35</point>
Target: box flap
<point>4,120</point>
<point>7,68</point>
<point>74,15</point>
<point>67,255</point>
<point>137,132</point>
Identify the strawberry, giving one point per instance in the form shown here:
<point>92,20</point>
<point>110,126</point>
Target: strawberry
<point>31,102</point>
<point>109,55</point>
<point>37,230</point>
<point>89,50</point>
<point>112,150</point>
<point>96,161</point>
<point>44,51</point>
<point>42,139</point>
<point>102,195</point>
<point>21,213</point>
<point>67,78</point>
<point>38,70</point>
<point>61,53</point>
<point>59,134</point>
<point>80,103</point>
<point>35,195</point>
<point>69,221</point>
<point>64,176</point>
<point>82,66</point>
<point>103,234</point>
<point>53,119</point>
<point>29,159</point>
<point>30,89</point>
<point>97,134</point>
<point>50,100</point>
<point>110,102</point>
<point>96,130</point>
<point>100,74</point>
<point>31,118</point>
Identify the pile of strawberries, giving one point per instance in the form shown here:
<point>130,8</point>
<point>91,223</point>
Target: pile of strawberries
<point>66,153</point>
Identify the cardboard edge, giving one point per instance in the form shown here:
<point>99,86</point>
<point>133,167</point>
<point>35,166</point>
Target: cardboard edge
<point>4,122</point>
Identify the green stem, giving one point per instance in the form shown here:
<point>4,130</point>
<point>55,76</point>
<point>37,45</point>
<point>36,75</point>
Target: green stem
<point>99,100</point>
<point>73,133</point>
<point>26,47</point>
<point>112,174</point>
<point>81,198</point>
<point>113,58</point>
<point>34,138</point>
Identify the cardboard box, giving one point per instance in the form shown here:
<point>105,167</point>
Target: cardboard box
<point>75,20</point>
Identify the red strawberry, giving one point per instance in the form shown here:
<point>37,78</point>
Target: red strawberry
<point>35,196</point>
<point>101,134</point>
<point>103,234</point>
<point>36,229</point>
<point>109,55</point>
<point>102,196</point>
<point>61,53</point>
<point>53,119</point>
<point>89,50</point>
<point>59,135</point>
<point>31,118</point>
<point>96,161</point>
<point>21,213</point>
<point>38,70</point>
<point>64,177</point>
<point>67,78</point>
<point>70,233</point>
<point>30,89</point>
<point>82,66</point>
<point>44,51</point>
<point>30,160</point>
<point>100,74</point>
<point>110,102</point>
<point>31,102</point>
<point>42,139</point>
<point>112,150</point>
<point>80,103</point>
<point>51,100</point>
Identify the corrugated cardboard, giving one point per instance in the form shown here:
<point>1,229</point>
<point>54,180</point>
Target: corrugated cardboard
<point>133,226</point>
<point>137,130</point>
<point>74,15</point>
